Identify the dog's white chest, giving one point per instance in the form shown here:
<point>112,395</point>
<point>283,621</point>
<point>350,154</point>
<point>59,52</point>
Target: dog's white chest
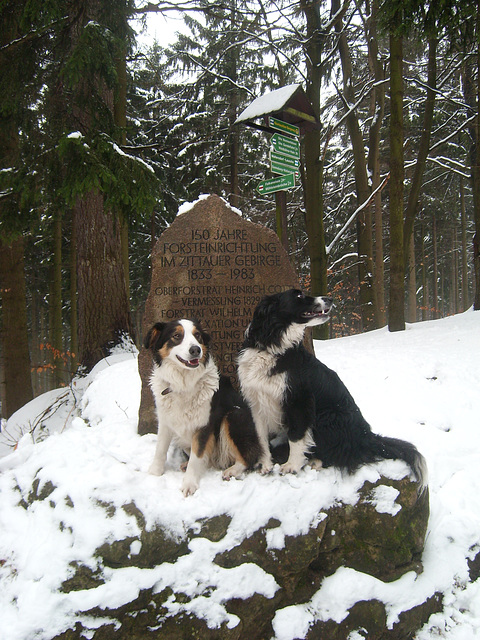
<point>263,389</point>
<point>183,401</point>
<point>184,413</point>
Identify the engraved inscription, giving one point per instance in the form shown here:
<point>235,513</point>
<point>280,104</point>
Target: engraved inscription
<point>221,266</point>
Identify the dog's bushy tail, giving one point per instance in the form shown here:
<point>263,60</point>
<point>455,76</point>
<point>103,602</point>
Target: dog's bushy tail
<point>395,449</point>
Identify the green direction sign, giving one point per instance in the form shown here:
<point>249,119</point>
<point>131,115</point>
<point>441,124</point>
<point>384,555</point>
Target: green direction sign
<point>276,184</point>
<point>284,127</point>
<point>279,158</point>
<point>283,170</point>
<point>285,146</point>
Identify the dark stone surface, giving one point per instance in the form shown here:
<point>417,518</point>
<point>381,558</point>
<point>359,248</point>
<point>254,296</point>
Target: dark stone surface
<point>385,545</point>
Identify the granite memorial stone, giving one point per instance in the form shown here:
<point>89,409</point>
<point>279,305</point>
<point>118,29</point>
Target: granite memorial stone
<point>212,265</point>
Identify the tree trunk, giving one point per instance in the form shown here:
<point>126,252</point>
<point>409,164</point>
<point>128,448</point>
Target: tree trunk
<point>14,333</point>
<point>377,112</point>
<point>232,116</point>
<point>103,304</point>
<point>411,285</point>
<point>476,180</point>
<point>425,303</point>
<point>396,319</point>
<point>472,98</point>
<point>435,269</point>
<point>455,298</point>
<point>120,118</point>
<point>56,305</point>
<point>364,218</point>
<point>16,357</point>
<point>465,297</point>
<point>413,197</point>
<point>73,297</point>
<point>314,214</point>
<point>102,297</point>
<point>313,192</point>
<point>281,218</point>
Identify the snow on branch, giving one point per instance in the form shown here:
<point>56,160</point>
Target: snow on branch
<point>450,164</point>
<point>438,93</point>
<point>454,133</point>
<point>364,205</point>
<point>191,5</point>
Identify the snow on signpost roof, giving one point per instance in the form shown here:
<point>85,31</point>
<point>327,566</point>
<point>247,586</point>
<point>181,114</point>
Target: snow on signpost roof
<point>268,103</point>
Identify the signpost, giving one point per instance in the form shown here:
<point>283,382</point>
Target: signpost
<point>286,146</point>
<point>289,102</point>
<point>283,164</point>
<point>276,184</point>
<point>284,127</point>
<point>284,157</point>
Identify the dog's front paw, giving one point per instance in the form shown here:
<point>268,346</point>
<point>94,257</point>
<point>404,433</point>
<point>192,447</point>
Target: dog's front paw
<point>156,469</point>
<point>265,469</point>
<point>265,466</point>
<point>289,467</point>
<point>189,486</point>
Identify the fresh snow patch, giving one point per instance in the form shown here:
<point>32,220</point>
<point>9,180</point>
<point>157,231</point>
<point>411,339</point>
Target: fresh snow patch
<point>268,103</point>
<point>187,206</point>
<point>421,385</point>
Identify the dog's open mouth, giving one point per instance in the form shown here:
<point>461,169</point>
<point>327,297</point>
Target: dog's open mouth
<point>191,364</point>
<point>317,313</point>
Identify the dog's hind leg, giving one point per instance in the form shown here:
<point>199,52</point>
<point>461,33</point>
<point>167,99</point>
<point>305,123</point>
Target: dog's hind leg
<point>242,440</point>
<point>235,470</point>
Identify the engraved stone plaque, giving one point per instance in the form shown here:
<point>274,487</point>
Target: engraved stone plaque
<point>212,265</point>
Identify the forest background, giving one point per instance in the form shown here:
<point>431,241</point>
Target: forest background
<point>101,140</point>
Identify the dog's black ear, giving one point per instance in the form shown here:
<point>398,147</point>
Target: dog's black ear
<point>206,338</point>
<point>265,308</point>
<point>263,325</point>
<point>152,335</point>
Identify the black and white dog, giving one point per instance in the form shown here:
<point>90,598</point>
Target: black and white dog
<point>196,407</point>
<point>288,389</point>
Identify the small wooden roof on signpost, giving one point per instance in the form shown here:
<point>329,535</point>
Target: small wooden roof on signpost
<point>289,103</point>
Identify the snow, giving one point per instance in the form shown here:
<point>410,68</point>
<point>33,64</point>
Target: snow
<point>186,206</point>
<point>120,152</point>
<point>268,103</point>
<point>421,385</point>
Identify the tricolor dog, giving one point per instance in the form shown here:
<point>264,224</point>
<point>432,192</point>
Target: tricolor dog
<point>290,390</point>
<point>197,408</point>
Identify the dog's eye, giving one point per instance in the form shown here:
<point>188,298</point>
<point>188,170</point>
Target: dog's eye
<point>300,294</point>
<point>176,336</point>
<point>197,336</point>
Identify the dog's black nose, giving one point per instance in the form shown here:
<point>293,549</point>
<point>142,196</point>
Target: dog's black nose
<point>194,351</point>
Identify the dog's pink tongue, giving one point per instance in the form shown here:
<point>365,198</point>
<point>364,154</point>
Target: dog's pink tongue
<point>194,362</point>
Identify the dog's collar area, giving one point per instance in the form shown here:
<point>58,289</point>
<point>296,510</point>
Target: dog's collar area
<point>166,391</point>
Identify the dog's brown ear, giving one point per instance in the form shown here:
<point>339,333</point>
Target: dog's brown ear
<point>205,336</point>
<point>152,335</point>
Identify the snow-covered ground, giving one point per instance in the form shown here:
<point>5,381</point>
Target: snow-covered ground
<point>422,385</point>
